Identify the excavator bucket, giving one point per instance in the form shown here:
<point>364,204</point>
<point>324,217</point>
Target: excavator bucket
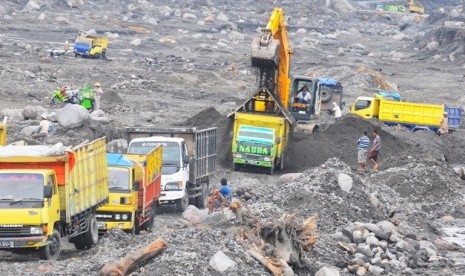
<point>303,130</point>
<point>265,51</point>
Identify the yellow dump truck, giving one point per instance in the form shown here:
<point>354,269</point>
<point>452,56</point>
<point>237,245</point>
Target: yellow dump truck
<point>48,192</point>
<point>90,46</point>
<point>414,116</point>
<point>134,181</point>
<point>3,132</point>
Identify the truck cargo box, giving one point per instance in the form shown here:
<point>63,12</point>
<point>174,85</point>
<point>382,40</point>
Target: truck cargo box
<point>81,172</point>
<point>410,113</point>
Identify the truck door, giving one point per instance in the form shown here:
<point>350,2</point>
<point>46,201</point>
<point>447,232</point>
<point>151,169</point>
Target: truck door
<point>53,204</point>
<point>184,156</point>
<point>363,108</point>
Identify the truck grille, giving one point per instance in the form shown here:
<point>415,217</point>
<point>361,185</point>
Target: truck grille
<point>15,231</point>
<point>254,157</point>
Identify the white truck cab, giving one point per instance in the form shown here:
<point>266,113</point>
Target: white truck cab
<point>188,161</point>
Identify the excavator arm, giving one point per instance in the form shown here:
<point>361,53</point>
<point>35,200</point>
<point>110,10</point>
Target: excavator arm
<point>271,55</point>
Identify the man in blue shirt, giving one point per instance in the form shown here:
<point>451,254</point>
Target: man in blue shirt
<point>362,145</point>
<point>225,190</point>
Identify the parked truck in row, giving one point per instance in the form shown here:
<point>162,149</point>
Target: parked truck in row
<point>413,116</point>
<point>134,181</point>
<point>189,159</point>
<point>92,46</point>
<point>3,132</point>
<point>48,192</point>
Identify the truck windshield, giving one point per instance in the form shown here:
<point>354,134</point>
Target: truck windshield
<point>21,186</point>
<point>171,151</point>
<point>362,104</point>
<point>83,42</point>
<point>118,178</point>
<point>256,134</point>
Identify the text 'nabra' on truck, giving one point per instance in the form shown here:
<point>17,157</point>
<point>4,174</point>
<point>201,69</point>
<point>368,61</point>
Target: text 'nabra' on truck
<point>48,192</point>
<point>189,159</point>
<point>134,181</point>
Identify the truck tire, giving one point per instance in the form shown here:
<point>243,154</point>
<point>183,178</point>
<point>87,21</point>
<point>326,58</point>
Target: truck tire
<point>151,223</point>
<point>235,167</point>
<point>202,199</point>
<point>89,238</point>
<point>181,204</point>
<point>52,250</point>
<point>325,96</point>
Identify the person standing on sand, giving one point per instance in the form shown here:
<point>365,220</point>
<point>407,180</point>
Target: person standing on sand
<point>374,151</point>
<point>362,145</point>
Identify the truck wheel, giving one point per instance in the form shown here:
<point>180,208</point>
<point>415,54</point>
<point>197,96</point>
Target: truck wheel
<point>79,243</point>
<point>235,167</point>
<point>52,250</point>
<point>325,96</point>
<point>90,237</point>
<point>151,223</point>
<point>270,170</point>
<point>202,199</point>
<point>181,204</point>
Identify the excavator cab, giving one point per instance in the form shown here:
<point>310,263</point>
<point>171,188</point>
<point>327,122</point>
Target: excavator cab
<point>303,107</point>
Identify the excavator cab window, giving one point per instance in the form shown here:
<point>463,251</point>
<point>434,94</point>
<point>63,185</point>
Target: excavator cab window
<point>299,104</point>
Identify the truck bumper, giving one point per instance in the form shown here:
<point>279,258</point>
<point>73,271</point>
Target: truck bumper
<point>258,163</point>
<point>169,196</point>
<point>23,242</point>
<point>104,226</point>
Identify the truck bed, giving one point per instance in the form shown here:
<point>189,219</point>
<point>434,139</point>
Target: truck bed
<point>411,113</point>
<point>82,175</point>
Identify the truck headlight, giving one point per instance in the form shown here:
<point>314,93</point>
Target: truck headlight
<point>124,217</point>
<point>238,155</point>
<point>266,159</point>
<point>117,216</point>
<point>173,186</point>
<point>36,230</point>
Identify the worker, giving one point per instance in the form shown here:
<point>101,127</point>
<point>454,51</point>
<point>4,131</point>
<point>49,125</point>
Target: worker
<point>63,92</point>
<point>66,47</point>
<point>225,190</point>
<point>374,151</point>
<point>362,145</point>
<point>444,126</point>
<point>337,111</point>
<point>304,96</point>
<point>44,127</point>
<point>98,92</point>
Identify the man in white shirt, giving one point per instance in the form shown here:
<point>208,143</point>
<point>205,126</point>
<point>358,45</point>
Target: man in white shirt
<point>337,111</point>
<point>304,96</point>
<point>44,127</point>
<point>97,94</point>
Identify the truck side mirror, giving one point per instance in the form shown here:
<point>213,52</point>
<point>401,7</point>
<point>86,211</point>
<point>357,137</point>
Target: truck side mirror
<point>185,159</point>
<point>278,140</point>
<point>136,185</point>
<point>48,191</point>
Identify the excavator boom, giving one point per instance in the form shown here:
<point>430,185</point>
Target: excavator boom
<point>271,56</point>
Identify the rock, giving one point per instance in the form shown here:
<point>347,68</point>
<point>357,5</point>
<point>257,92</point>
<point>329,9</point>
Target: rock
<point>345,182</point>
<point>220,261</point>
<point>27,131</point>
<point>194,215</point>
<point>61,19</point>
<point>197,36</point>
<point>167,40</point>
<point>189,16</point>
<point>432,45</point>
<point>365,250</point>
<point>13,114</point>
<point>383,244</point>
<point>340,51</point>
<point>41,17</point>
<point>147,116</point>
<point>288,177</point>
<point>222,17</point>
<point>117,146</point>
<point>361,270</point>
<point>403,246</point>
<point>454,13</point>
<point>112,35</point>
<point>165,10</point>
<point>358,46</point>
<point>7,17</point>
<point>399,36</point>
<point>357,237</point>
<point>386,228</point>
<point>328,271</point>
<point>136,42</point>
<point>32,112</point>
<point>301,31</point>
<point>372,241</point>
<point>371,227</point>
<point>99,116</point>
<point>376,270</point>
<point>357,261</point>
<point>152,21</point>
<point>236,36</point>
<point>31,5</point>
<point>72,116</point>
<point>427,244</point>
<point>338,236</point>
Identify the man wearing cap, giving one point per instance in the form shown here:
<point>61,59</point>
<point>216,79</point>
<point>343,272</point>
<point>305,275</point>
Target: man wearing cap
<point>43,128</point>
<point>337,111</point>
<point>444,126</point>
<point>97,93</point>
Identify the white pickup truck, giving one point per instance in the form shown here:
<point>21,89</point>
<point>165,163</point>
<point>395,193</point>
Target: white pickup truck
<point>189,158</point>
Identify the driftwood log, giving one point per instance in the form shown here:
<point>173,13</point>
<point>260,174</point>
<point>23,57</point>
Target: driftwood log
<point>126,264</point>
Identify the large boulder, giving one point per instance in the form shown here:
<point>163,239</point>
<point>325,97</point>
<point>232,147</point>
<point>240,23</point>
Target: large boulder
<point>32,112</point>
<point>99,116</point>
<point>193,215</point>
<point>27,131</point>
<point>12,114</point>
<point>72,116</point>
<point>345,182</point>
<point>327,271</point>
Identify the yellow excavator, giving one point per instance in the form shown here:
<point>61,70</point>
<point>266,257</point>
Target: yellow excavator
<point>415,6</point>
